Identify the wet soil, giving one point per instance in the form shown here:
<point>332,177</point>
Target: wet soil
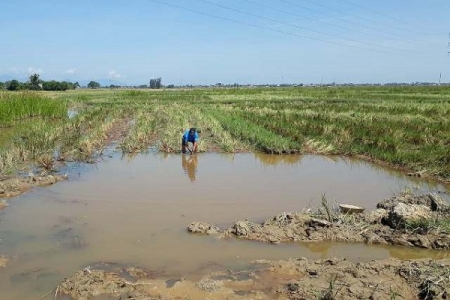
<point>286,279</point>
<point>422,173</point>
<point>208,137</point>
<point>407,220</point>
<point>16,185</point>
<point>118,131</point>
<point>3,261</point>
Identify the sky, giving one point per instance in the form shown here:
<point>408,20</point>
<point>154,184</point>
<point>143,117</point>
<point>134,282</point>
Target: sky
<point>226,41</point>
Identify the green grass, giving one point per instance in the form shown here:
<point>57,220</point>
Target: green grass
<point>16,107</point>
<point>426,225</point>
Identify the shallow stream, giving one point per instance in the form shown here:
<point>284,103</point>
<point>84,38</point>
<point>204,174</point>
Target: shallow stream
<point>135,212</point>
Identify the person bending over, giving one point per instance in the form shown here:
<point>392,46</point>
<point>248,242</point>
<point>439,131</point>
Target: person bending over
<point>189,136</point>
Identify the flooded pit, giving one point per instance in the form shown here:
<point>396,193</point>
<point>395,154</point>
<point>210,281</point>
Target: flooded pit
<point>135,212</point>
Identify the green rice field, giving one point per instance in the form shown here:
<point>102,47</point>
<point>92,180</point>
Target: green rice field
<point>406,127</point>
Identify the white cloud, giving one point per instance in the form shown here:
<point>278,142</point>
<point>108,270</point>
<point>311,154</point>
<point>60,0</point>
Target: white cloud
<point>35,71</point>
<point>114,74</point>
<point>71,71</point>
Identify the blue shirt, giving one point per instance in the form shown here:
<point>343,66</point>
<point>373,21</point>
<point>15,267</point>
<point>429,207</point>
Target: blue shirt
<point>187,137</point>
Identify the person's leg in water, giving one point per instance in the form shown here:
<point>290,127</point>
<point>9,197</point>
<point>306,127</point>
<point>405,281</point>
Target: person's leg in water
<point>184,144</point>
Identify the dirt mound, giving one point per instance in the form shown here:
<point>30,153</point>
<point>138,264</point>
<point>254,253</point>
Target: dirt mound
<point>285,279</point>
<point>406,220</point>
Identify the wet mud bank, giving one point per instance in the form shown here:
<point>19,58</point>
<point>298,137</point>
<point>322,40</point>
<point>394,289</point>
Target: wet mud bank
<point>16,185</point>
<point>285,279</point>
<point>407,220</point>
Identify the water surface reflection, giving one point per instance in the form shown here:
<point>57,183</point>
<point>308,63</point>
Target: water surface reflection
<point>274,160</point>
<point>189,164</point>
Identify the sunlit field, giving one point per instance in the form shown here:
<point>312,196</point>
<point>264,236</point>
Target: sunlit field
<point>407,127</point>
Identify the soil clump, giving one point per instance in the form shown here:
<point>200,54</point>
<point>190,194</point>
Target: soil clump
<point>407,220</point>
<point>3,261</point>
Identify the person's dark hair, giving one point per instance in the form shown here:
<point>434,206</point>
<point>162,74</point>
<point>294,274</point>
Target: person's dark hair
<point>192,129</point>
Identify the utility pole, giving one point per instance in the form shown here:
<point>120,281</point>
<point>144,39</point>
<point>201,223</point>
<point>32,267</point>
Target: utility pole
<point>448,50</point>
<point>448,45</point>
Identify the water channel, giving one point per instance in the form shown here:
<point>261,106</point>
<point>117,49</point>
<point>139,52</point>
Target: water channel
<point>135,212</point>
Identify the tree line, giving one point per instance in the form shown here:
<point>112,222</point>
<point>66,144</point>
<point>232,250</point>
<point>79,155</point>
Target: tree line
<point>34,83</point>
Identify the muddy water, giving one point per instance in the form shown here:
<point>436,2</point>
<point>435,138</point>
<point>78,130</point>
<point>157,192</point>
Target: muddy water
<point>135,211</point>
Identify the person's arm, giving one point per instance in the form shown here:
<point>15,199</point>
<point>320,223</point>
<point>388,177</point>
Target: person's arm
<point>196,138</point>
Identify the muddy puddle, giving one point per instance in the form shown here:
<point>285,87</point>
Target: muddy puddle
<point>135,212</point>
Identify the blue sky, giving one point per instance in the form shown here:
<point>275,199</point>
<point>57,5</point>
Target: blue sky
<point>210,41</point>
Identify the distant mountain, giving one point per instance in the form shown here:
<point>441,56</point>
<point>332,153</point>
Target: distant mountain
<point>7,77</point>
<point>103,82</point>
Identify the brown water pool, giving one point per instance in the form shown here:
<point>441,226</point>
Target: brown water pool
<point>135,212</point>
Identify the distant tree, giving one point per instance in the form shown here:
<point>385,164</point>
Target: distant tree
<point>2,85</point>
<point>93,85</point>
<point>155,83</point>
<point>50,85</point>
<point>64,86</point>
<point>14,85</point>
<point>158,83</point>
<point>57,86</point>
<point>35,82</point>
<point>170,86</point>
<point>25,86</point>
<point>76,85</point>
